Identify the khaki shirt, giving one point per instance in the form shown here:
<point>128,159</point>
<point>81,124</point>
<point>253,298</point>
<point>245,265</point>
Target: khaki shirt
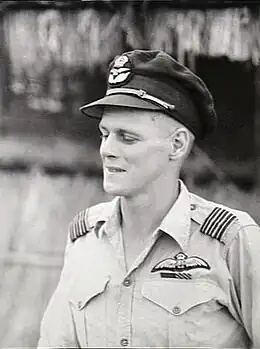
<point>197,282</point>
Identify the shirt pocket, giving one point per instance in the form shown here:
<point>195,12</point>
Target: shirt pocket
<point>88,307</point>
<point>194,309</point>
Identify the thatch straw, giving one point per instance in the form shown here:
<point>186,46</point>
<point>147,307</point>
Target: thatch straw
<point>231,32</point>
<point>40,41</point>
<point>89,38</point>
<point>101,36</point>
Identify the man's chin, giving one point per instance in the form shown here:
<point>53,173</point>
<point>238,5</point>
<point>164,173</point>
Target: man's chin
<point>113,189</point>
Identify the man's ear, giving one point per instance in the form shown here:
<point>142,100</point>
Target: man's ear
<point>180,140</point>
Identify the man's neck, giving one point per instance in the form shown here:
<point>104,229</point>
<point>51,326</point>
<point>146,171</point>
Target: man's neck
<point>144,213</point>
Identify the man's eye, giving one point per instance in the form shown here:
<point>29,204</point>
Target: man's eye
<point>128,139</point>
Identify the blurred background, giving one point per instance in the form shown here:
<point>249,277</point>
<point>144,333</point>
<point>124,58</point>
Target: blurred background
<point>53,58</point>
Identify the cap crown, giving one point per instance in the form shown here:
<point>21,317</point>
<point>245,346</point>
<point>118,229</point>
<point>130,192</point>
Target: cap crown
<point>161,76</point>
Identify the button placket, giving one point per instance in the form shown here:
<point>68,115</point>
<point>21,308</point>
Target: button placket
<point>127,282</point>
<point>126,297</point>
<point>125,312</point>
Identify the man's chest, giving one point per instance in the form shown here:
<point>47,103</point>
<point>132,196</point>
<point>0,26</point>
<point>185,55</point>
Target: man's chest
<point>159,260</point>
<point>169,297</point>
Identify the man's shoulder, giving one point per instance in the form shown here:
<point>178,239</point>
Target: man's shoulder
<point>218,220</point>
<point>85,220</point>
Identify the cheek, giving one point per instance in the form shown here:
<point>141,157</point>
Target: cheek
<point>147,157</point>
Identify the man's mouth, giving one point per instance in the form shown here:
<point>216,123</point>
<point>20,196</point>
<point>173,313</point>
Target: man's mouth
<point>114,169</point>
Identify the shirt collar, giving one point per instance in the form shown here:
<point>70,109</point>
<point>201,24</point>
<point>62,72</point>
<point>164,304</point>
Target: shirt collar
<point>177,222</point>
<point>112,219</point>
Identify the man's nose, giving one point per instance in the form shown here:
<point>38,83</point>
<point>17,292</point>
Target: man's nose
<point>109,146</point>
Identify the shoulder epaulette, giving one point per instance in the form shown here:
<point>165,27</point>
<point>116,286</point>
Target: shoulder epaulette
<point>79,225</point>
<point>85,220</point>
<point>217,222</point>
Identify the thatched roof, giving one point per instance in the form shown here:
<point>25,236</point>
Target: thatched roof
<point>113,4</point>
<point>90,35</point>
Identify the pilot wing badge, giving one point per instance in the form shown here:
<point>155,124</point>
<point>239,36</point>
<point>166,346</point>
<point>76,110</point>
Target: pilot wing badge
<point>120,71</point>
<point>180,266</point>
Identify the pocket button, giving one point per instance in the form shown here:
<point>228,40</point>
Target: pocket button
<point>176,310</point>
<point>193,207</point>
<point>127,282</point>
<point>124,342</point>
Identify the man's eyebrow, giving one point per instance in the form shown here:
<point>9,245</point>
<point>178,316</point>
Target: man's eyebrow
<point>122,130</point>
<point>118,130</point>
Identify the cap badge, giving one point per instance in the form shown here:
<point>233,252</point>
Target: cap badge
<point>120,71</point>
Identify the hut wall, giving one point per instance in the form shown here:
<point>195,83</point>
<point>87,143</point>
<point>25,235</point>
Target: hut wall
<point>35,210</point>
<point>257,120</point>
<point>3,70</point>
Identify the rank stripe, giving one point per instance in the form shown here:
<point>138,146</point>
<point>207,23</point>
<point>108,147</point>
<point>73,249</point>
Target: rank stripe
<point>213,224</point>
<point>210,220</point>
<point>205,224</point>
<point>79,226</point>
<point>221,216</point>
<point>217,222</point>
<point>229,220</point>
<point>185,276</point>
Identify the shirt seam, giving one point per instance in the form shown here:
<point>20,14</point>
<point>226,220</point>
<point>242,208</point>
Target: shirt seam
<point>228,246</point>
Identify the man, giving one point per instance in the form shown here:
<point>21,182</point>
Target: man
<point>157,266</point>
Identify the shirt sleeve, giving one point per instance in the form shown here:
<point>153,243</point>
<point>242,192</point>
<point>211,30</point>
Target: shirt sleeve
<point>243,260</point>
<point>57,327</point>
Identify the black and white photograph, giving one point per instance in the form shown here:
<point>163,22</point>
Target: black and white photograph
<point>130,174</point>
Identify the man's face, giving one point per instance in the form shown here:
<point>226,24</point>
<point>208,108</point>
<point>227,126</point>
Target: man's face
<point>134,151</point>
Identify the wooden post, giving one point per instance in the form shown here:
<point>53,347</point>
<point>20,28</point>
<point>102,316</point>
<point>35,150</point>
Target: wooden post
<point>2,66</point>
<point>257,122</point>
<point>4,70</point>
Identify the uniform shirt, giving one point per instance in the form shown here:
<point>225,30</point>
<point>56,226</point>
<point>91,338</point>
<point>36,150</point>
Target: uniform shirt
<point>196,283</point>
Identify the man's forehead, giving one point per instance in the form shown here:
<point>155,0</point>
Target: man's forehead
<point>138,120</point>
<point>134,115</point>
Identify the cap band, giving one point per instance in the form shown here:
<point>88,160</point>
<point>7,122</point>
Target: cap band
<point>141,94</point>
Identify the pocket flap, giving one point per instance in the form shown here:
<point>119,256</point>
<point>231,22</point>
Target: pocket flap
<point>179,296</point>
<point>83,291</point>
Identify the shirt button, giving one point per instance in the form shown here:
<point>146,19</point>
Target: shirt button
<point>127,282</point>
<point>124,342</point>
<point>193,207</point>
<point>176,310</point>
<point>79,304</point>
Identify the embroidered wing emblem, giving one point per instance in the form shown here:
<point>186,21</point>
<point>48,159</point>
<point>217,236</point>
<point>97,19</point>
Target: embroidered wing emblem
<point>120,71</point>
<point>179,266</point>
